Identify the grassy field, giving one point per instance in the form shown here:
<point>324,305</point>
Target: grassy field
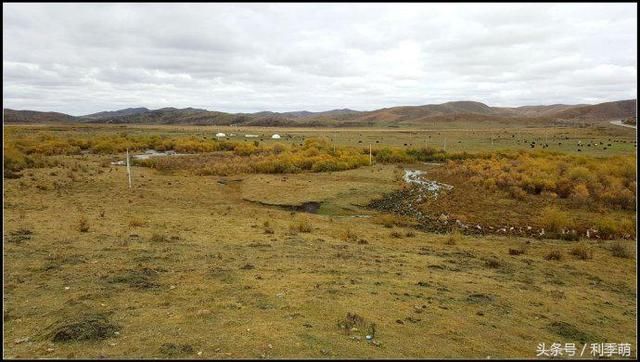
<point>188,265</point>
<point>464,137</point>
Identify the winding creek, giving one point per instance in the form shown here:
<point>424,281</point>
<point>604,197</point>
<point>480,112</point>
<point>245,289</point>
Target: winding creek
<point>415,177</point>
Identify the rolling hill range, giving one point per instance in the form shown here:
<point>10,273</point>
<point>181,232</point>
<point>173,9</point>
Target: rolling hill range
<point>11,116</point>
<point>394,116</point>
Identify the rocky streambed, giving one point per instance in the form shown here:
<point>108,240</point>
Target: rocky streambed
<point>428,187</point>
<point>407,202</point>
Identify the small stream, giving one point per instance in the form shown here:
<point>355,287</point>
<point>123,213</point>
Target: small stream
<point>147,155</point>
<point>415,177</point>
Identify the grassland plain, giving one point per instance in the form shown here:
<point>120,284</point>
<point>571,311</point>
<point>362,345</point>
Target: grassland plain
<point>227,266</point>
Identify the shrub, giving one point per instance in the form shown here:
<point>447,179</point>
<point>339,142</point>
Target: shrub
<point>517,193</point>
<point>158,238</point>
<point>553,255</point>
<point>83,225</point>
<point>620,250</point>
<point>587,181</point>
<point>14,159</point>
<point>84,328</point>
<point>136,223</point>
<point>580,192</point>
<point>267,227</point>
<point>453,238</point>
<point>492,263</point>
<point>349,235</point>
<point>518,251</point>
<point>610,228</point>
<point>303,226</point>
<point>353,322</point>
<point>582,252</point>
<point>554,219</point>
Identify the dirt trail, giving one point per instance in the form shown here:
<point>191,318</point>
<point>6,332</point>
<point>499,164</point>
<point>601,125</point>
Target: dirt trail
<point>619,123</point>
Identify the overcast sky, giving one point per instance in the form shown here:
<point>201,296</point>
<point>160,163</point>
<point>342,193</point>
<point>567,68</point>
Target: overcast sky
<point>80,59</point>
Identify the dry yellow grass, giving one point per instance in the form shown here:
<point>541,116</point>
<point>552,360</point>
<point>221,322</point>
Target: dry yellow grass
<point>200,275</point>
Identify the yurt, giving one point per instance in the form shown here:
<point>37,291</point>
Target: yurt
<point>220,134</point>
<point>276,136</point>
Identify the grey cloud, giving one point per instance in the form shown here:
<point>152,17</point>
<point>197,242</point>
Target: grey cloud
<point>84,58</point>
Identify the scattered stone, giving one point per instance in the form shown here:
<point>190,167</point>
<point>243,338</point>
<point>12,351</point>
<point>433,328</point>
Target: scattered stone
<point>412,320</point>
<point>21,340</point>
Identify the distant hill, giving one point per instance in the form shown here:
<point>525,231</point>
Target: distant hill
<point>18,116</point>
<point>299,114</point>
<point>603,111</point>
<point>542,111</point>
<point>476,111</point>
<point>172,115</point>
<point>116,114</point>
<point>409,115</point>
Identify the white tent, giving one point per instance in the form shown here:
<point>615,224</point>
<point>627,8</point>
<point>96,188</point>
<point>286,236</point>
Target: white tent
<point>220,134</point>
<point>276,136</point>
<point>251,135</point>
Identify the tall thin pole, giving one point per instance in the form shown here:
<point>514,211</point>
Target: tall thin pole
<point>128,168</point>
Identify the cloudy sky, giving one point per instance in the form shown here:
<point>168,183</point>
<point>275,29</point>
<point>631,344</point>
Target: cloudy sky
<point>80,59</point>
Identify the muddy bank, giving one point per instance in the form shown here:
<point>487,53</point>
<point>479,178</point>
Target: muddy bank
<point>309,206</point>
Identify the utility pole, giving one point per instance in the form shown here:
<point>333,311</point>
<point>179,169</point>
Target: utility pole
<point>128,168</point>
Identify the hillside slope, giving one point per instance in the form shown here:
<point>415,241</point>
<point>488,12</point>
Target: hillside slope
<point>468,111</point>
